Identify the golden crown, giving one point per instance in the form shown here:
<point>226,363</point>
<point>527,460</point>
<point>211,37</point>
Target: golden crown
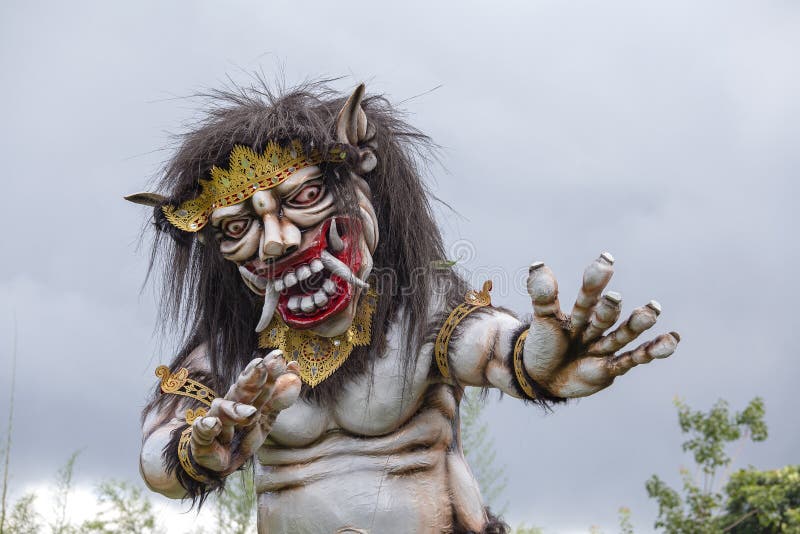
<point>247,173</point>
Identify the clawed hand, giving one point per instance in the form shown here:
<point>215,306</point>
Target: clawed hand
<point>264,388</point>
<point>566,354</point>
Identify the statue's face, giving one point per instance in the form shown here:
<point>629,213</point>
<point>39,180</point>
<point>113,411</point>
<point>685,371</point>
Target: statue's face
<point>292,248</point>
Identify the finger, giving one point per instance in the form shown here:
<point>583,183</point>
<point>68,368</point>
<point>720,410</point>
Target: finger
<point>249,383</point>
<point>640,320</point>
<point>232,415</point>
<point>595,280</point>
<point>204,430</point>
<point>661,347</point>
<point>604,316</point>
<point>543,289</point>
<point>275,367</point>
<point>251,441</point>
<point>287,389</point>
<point>206,451</point>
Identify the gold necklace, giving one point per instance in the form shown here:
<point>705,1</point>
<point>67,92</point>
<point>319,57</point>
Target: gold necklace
<point>319,357</point>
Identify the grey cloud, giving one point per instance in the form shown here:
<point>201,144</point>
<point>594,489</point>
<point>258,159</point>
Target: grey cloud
<point>665,133</point>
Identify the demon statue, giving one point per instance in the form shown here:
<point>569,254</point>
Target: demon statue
<point>325,340</point>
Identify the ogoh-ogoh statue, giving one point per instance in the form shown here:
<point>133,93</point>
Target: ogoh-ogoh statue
<point>327,339</point>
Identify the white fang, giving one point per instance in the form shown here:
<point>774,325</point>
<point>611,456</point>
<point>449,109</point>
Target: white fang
<point>337,245</point>
<point>270,303</point>
<point>340,269</point>
<point>259,282</point>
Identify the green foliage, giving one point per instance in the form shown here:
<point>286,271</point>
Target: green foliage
<point>124,510</point>
<point>235,507</point>
<point>523,529</point>
<point>23,518</point>
<point>752,501</point>
<point>479,449</point>
<point>625,525</point>
<point>61,524</point>
<point>764,501</point>
<point>712,431</point>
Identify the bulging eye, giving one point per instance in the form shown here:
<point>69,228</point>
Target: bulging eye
<point>307,196</point>
<point>235,228</point>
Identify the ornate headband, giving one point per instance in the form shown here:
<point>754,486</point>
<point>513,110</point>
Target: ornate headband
<point>247,173</point>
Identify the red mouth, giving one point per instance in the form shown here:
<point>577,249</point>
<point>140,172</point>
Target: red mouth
<point>309,293</point>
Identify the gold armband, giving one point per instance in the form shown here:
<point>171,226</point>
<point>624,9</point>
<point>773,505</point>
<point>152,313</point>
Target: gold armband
<point>519,366</point>
<point>472,301</point>
<point>179,383</point>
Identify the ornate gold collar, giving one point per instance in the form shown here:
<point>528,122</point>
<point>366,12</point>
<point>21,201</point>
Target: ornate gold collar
<point>319,357</point>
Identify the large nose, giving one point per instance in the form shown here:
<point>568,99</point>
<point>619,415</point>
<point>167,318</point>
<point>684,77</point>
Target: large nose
<point>279,236</point>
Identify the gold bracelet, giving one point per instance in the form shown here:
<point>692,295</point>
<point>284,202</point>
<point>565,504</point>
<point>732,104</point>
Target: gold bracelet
<point>179,383</point>
<point>472,301</point>
<point>183,457</point>
<point>519,366</point>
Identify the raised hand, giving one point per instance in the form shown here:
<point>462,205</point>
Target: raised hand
<point>237,424</point>
<point>569,355</point>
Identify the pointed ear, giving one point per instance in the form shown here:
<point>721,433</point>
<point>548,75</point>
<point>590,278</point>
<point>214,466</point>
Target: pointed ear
<point>351,124</point>
<point>352,129</point>
<point>147,199</point>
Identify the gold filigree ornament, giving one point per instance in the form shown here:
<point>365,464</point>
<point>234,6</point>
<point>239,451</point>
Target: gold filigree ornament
<point>247,173</point>
<point>179,383</point>
<point>319,357</point>
<point>183,457</point>
<point>519,366</point>
<point>472,301</point>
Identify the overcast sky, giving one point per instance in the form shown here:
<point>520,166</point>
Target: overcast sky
<point>665,132</point>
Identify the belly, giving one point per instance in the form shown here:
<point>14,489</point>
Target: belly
<point>364,498</point>
<point>393,483</point>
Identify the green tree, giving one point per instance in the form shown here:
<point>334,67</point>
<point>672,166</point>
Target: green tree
<point>23,518</point>
<point>524,529</point>
<point>235,507</point>
<point>699,509</point>
<point>479,448</point>
<point>124,510</point>
<point>763,501</point>
<point>61,523</point>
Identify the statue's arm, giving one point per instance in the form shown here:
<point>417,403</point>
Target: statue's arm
<point>481,353</point>
<point>555,355</point>
<point>163,419</point>
<point>187,454</point>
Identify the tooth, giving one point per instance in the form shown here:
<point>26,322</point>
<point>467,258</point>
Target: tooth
<point>320,298</point>
<point>278,285</point>
<point>335,240</point>
<point>294,303</point>
<point>329,287</point>
<point>289,280</point>
<point>338,268</point>
<point>316,265</point>
<point>268,310</point>
<point>307,304</point>
<point>253,278</point>
<point>303,272</point>
<point>370,232</point>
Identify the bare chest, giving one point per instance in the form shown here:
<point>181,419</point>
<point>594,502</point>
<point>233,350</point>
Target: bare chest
<point>374,404</point>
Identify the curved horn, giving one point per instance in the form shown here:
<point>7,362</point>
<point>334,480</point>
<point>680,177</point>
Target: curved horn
<point>146,199</point>
<point>351,124</point>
